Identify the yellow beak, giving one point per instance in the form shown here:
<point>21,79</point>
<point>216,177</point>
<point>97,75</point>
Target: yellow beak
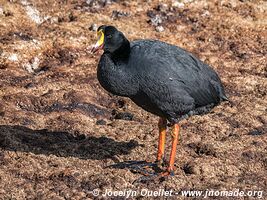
<point>100,42</point>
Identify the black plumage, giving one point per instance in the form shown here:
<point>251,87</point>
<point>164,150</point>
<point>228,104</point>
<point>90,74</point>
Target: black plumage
<point>163,79</point>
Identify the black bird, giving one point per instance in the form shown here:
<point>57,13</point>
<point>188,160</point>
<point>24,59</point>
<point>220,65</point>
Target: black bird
<point>161,78</point>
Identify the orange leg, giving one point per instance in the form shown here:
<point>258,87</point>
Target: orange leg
<point>162,138</point>
<point>175,138</point>
<point>161,145</point>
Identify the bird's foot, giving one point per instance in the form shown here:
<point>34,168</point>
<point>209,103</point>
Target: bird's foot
<point>151,171</point>
<point>143,167</point>
<point>155,177</point>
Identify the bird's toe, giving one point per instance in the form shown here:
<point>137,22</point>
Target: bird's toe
<point>162,176</point>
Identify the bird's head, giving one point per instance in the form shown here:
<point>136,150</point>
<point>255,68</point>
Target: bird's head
<point>109,39</point>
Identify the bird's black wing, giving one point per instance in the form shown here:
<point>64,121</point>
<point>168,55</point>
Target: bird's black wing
<point>172,78</point>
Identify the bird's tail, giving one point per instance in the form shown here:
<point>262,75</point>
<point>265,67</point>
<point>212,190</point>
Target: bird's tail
<point>225,98</point>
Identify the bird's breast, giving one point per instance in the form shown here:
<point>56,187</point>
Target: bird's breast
<point>116,78</point>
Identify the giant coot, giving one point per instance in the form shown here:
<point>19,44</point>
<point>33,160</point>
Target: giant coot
<point>161,78</point>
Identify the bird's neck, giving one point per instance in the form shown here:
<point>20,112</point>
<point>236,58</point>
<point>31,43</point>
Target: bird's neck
<point>123,52</point>
<point>116,76</point>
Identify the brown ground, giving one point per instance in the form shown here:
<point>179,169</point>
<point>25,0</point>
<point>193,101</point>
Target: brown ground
<point>52,143</point>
